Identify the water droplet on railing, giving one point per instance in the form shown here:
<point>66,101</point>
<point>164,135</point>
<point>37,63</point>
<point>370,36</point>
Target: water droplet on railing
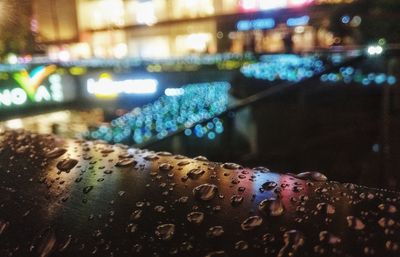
<point>293,240</point>
<point>87,189</point>
<point>355,223</point>
<point>164,153</point>
<point>201,158</point>
<point>195,217</point>
<point>3,226</point>
<point>47,243</point>
<point>131,228</point>
<point>241,245</point>
<point>66,164</point>
<point>236,200</point>
<point>63,246</point>
<point>165,231</point>
<point>137,214</point>
<point>261,169</point>
<point>165,167</point>
<point>217,254</point>
<point>269,185</point>
<point>55,153</point>
<point>232,166</point>
<point>183,199</point>
<point>183,163</point>
<point>326,208</point>
<point>215,231</point>
<point>251,223</point>
<point>205,192</point>
<point>125,163</point>
<point>151,157</point>
<point>313,176</point>
<point>195,173</point>
<point>271,207</point>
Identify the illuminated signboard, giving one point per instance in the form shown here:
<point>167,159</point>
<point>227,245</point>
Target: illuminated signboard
<point>253,5</point>
<point>269,23</point>
<point>298,21</point>
<point>257,24</point>
<point>174,91</point>
<point>106,87</point>
<point>275,4</point>
<point>40,85</point>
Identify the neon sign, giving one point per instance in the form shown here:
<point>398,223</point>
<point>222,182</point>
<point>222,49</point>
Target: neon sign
<point>255,24</point>
<point>275,4</point>
<point>293,3</point>
<point>253,5</point>
<point>174,91</point>
<point>15,96</point>
<point>31,87</point>
<point>298,21</point>
<point>269,23</point>
<point>31,82</point>
<point>106,87</point>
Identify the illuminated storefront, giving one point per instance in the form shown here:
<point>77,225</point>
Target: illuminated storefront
<point>275,33</point>
<point>285,26</point>
<point>178,40</point>
<point>161,29</point>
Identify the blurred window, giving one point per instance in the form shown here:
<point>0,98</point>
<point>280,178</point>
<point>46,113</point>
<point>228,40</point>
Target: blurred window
<point>109,44</point>
<point>146,12</point>
<point>192,8</point>
<point>150,47</point>
<point>228,6</point>
<point>101,14</point>
<point>193,43</point>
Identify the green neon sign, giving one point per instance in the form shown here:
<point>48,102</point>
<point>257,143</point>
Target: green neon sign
<point>30,82</point>
<point>31,87</point>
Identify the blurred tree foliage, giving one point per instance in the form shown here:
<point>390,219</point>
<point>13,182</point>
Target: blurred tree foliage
<point>15,27</point>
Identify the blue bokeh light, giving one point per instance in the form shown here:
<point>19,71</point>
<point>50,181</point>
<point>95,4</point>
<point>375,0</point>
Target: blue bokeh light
<point>199,102</point>
<point>287,67</point>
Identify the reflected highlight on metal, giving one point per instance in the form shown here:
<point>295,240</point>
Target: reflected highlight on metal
<point>63,197</point>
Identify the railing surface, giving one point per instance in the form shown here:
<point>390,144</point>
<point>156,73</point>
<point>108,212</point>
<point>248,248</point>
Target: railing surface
<point>63,198</point>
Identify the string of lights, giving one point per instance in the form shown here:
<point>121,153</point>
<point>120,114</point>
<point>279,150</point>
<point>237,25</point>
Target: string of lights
<point>350,75</point>
<point>196,102</point>
<point>283,67</point>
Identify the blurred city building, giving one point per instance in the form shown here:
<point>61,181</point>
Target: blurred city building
<point>164,28</point>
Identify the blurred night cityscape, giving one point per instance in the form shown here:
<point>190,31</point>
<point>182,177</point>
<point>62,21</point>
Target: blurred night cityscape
<point>177,75</point>
<point>292,85</point>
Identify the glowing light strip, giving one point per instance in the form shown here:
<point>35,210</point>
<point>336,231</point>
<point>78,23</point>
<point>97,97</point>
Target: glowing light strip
<point>243,25</point>
<point>108,87</point>
<point>253,5</point>
<point>298,21</point>
<point>174,91</point>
